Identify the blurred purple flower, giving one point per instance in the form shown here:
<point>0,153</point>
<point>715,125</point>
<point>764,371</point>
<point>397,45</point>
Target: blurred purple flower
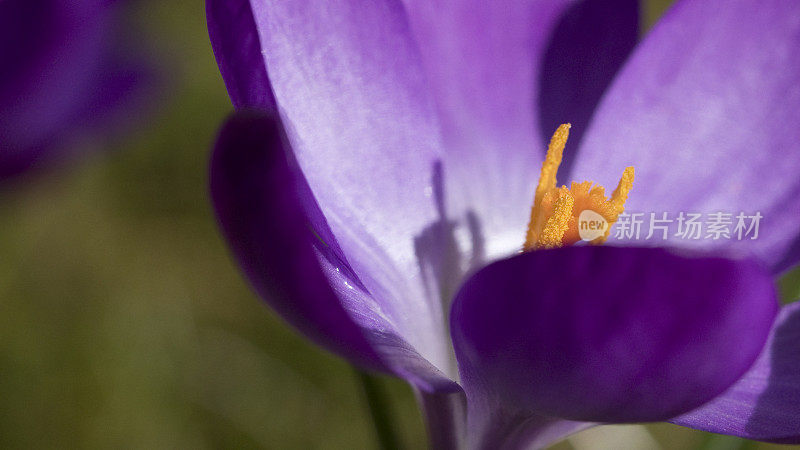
<point>379,196</point>
<point>67,71</point>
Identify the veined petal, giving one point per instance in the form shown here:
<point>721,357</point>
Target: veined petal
<point>605,334</point>
<point>504,75</point>
<point>281,240</point>
<point>706,110</point>
<point>354,101</point>
<point>765,403</point>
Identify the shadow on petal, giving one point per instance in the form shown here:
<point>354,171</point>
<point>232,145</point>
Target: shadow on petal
<point>765,403</point>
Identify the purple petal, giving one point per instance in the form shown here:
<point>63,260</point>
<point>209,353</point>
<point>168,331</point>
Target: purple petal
<point>64,77</point>
<point>587,48</point>
<point>270,220</point>
<point>353,99</point>
<point>765,403</point>
<point>234,38</point>
<point>52,50</point>
<point>501,71</point>
<point>605,334</point>
<point>706,110</point>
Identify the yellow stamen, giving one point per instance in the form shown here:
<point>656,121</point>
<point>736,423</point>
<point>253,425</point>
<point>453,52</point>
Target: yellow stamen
<point>555,211</point>
<point>555,151</point>
<point>547,182</point>
<point>557,223</point>
<point>620,194</point>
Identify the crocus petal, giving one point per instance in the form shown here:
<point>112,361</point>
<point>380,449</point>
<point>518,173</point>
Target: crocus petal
<point>270,220</point>
<point>237,49</point>
<point>706,111</point>
<point>47,73</point>
<point>501,71</point>
<point>65,75</point>
<point>590,43</point>
<point>605,334</point>
<point>765,403</point>
<point>353,99</point>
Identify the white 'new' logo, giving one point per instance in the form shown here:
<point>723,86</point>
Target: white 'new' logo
<point>591,225</point>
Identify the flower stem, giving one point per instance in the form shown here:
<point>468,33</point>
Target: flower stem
<point>445,419</point>
<point>378,405</point>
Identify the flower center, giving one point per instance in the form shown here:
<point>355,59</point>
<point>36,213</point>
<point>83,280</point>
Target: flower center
<point>556,214</point>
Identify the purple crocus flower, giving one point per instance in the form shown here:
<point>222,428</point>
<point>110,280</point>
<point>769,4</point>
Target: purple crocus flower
<point>66,72</point>
<point>379,197</point>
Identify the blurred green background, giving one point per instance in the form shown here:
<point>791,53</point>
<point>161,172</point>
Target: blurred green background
<point>125,324</point>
